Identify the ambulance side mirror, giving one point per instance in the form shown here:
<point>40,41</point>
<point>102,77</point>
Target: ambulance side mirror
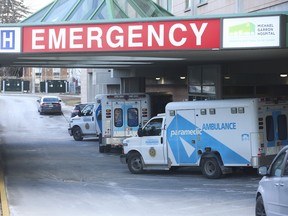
<point>140,132</point>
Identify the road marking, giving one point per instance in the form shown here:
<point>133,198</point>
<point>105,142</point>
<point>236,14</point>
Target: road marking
<point>3,195</point>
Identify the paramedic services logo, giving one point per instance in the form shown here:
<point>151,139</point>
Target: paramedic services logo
<point>10,39</point>
<point>152,152</point>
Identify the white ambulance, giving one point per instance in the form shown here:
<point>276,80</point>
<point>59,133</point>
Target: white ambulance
<point>215,135</point>
<point>113,117</point>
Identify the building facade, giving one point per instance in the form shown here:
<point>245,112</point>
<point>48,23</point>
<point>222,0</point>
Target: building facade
<point>206,81</point>
<point>212,72</point>
<point>212,7</point>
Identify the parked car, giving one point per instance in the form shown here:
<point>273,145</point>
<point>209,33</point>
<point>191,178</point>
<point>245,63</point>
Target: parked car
<point>77,109</point>
<point>272,193</point>
<point>49,104</point>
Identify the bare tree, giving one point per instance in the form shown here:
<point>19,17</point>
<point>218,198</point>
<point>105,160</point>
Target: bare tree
<point>12,11</point>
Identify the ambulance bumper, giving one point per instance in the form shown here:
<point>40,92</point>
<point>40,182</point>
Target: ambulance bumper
<point>114,142</point>
<point>259,161</point>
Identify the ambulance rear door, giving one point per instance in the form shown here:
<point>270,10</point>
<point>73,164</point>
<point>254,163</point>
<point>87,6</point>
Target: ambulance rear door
<point>126,118</point>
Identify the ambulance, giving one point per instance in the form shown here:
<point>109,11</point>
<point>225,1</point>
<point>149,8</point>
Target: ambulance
<point>216,135</point>
<point>113,117</point>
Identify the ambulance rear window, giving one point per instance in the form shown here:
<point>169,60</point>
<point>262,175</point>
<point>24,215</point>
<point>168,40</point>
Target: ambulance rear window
<point>118,117</point>
<point>133,120</point>
<point>270,128</point>
<point>282,127</point>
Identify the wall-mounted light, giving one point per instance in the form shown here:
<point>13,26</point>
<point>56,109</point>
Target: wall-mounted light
<point>182,77</point>
<point>283,75</point>
<point>157,78</point>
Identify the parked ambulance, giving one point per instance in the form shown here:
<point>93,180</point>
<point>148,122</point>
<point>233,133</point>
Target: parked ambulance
<point>112,118</point>
<point>216,135</point>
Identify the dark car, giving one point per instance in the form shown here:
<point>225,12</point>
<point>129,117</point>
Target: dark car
<point>49,104</point>
<point>272,193</point>
<point>77,109</point>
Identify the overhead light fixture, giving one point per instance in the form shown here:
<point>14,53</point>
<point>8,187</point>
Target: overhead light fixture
<point>283,75</point>
<point>226,76</point>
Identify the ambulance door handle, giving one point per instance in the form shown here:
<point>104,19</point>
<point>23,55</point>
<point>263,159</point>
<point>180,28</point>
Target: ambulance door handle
<point>92,118</point>
<point>161,140</point>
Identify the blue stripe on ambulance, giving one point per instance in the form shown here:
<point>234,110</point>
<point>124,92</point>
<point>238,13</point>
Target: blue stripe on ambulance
<point>185,152</point>
<point>99,120</point>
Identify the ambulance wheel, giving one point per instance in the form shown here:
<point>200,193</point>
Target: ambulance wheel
<point>135,163</point>
<point>108,148</point>
<point>101,149</point>
<point>210,168</point>
<point>77,134</point>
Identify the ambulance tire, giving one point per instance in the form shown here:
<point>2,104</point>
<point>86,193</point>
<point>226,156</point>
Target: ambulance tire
<point>108,148</point>
<point>77,134</point>
<point>102,149</point>
<point>210,168</point>
<point>135,164</point>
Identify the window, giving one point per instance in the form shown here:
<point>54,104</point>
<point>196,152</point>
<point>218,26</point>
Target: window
<point>234,110</point>
<point>118,117</point>
<point>202,80</point>
<point>153,128</point>
<point>60,10</point>
<point>212,111</point>
<point>87,110</point>
<point>187,4</point>
<point>172,112</point>
<point>270,128</point>
<point>37,72</point>
<point>102,13</point>
<point>286,168</point>
<point>278,166</point>
<point>133,120</point>
<point>203,111</point>
<point>241,110</point>
<point>282,127</point>
<point>84,10</point>
<point>56,72</point>
<point>202,2</point>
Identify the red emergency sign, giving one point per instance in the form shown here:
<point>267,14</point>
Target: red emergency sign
<point>134,36</point>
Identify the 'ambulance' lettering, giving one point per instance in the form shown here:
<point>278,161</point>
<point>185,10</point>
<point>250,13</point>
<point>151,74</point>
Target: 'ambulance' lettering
<point>219,126</point>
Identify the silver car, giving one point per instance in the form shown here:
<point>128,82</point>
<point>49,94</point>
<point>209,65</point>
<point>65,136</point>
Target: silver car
<point>272,193</point>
